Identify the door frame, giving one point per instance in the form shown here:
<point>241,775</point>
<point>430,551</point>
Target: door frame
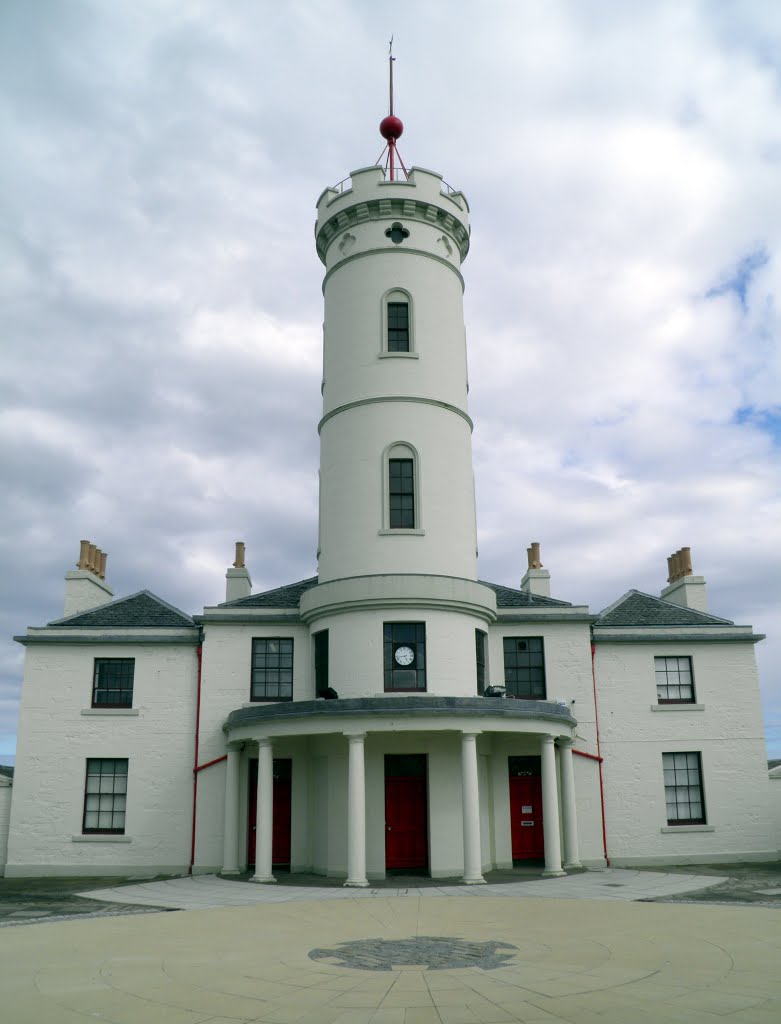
<point>425,836</point>
<point>252,807</point>
<point>526,766</point>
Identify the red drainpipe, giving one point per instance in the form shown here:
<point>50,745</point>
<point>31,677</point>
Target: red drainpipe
<point>199,655</point>
<point>598,756</point>
<point>208,764</point>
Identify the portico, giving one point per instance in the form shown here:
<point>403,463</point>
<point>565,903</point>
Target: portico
<point>343,746</point>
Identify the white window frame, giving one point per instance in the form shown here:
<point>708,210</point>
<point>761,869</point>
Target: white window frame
<point>401,450</point>
<point>397,295</point>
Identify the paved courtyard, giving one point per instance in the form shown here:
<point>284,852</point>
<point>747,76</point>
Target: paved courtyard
<point>203,892</point>
<point>404,955</point>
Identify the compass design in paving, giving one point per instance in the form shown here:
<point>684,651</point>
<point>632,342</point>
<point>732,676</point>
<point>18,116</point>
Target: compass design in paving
<point>435,953</point>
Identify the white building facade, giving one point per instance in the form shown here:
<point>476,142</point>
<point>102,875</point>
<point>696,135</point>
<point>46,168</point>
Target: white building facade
<point>394,713</point>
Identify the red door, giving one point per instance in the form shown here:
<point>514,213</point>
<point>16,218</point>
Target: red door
<point>406,813</point>
<point>280,836</point>
<point>526,830</point>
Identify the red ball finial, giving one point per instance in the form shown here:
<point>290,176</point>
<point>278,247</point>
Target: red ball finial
<point>391,127</point>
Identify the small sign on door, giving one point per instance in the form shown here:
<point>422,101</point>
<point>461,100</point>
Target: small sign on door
<point>527,810</point>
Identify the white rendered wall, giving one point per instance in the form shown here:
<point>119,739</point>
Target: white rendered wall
<point>774,783</point>
<point>355,361</point>
<point>352,483</point>
<point>724,726</point>
<point>225,686</point>
<point>56,738</point>
<point>6,790</point>
<point>567,648</point>
<point>356,651</point>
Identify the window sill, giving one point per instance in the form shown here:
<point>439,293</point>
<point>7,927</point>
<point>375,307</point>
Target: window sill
<point>401,533</point>
<point>688,828</point>
<point>109,711</point>
<point>399,355</point>
<point>677,707</point>
<point>101,839</point>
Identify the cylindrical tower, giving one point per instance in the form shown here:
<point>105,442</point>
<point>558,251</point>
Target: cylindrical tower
<point>396,482</point>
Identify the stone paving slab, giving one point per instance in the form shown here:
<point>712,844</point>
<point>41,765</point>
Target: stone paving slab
<point>560,961</point>
<point>203,892</point>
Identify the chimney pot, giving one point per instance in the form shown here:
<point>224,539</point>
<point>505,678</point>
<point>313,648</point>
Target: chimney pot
<point>684,587</point>
<point>84,587</point>
<point>536,579</point>
<point>238,581</point>
<point>239,560</point>
<point>83,554</point>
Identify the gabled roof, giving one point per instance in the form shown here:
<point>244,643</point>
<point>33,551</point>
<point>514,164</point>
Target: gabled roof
<point>281,597</point>
<point>638,609</point>
<point>139,610</point>
<point>509,597</point>
<point>289,596</point>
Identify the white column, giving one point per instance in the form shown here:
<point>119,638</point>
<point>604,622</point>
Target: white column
<point>230,842</point>
<point>473,873</point>
<point>265,817</point>
<point>568,806</point>
<point>550,810</point>
<point>356,813</point>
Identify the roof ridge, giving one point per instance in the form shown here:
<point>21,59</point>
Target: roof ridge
<point>708,617</point>
<point>68,619</point>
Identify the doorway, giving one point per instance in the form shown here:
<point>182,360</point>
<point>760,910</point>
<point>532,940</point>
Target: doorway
<point>526,829</point>
<point>406,813</point>
<point>280,831</point>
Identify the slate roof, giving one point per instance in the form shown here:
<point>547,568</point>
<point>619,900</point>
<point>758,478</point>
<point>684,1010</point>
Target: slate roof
<point>137,610</point>
<point>774,762</point>
<point>509,597</point>
<point>282,597</point>
<point>290,595</point>
<point>7,770</point>
<point>638,609</point>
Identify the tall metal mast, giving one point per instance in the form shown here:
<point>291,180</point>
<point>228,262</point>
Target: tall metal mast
<point>391,127</point>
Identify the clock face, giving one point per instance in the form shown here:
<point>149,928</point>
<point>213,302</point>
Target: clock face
<point>404,655</point>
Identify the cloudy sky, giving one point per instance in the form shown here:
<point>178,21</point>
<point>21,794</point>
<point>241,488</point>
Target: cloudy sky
<point>160,302</point>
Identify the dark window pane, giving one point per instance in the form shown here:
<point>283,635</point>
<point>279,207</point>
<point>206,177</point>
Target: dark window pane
<point>104,795</point>
<point>683,788</point>
<point>112,684</point>
<point>272,669</point>
<point>413,636</point>
<point>524,667</point>
<point>398,327</point>
<point>480,639</point>
<point>674,683</point>
<point>401,494</point>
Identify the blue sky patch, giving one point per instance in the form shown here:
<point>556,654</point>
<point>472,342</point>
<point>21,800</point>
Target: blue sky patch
<point>768,420</point>
<point>740,279</point>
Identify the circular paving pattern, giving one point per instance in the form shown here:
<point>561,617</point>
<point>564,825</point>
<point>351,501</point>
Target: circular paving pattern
<point>423,960</point>
<point>436,953</point>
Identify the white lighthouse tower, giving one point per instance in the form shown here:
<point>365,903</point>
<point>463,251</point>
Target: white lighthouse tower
<point>397,507</point>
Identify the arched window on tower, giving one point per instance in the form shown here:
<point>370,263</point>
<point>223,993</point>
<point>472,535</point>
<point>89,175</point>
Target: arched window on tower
<point>397,326</point>
<point>402,491</point>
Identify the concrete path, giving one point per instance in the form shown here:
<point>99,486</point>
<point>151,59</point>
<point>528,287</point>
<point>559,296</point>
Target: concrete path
<point>401,959</point>
<point>205,892</point>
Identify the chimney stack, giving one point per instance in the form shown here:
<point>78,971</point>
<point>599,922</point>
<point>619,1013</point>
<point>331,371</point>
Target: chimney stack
<point>536,580</point>
<point>85,588</point>
<point>684,587</point>
<point>238,581</point>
